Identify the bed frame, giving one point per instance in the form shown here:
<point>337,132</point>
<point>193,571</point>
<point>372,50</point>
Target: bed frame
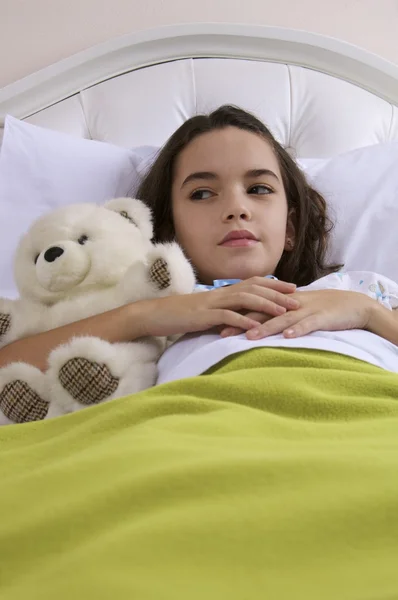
<point>319,96</point>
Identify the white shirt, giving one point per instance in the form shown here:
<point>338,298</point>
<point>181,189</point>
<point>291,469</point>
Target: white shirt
<point>193,354</point>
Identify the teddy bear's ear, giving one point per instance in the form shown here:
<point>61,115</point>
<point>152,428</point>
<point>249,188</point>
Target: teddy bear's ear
<point>134,211</point>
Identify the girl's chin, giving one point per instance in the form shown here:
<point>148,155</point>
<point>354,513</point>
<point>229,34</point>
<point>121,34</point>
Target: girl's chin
<point>243,273</point>
<point>246,271</point>
<point>236,269</point>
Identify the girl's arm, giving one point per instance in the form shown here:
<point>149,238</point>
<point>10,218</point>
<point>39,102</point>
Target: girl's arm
<point>118,325</point>
<point>330,310</point>
<point>162,317</point>
<point>384,323</point>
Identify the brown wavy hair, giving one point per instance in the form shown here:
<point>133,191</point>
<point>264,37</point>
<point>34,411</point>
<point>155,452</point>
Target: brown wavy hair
<point>306,262</point>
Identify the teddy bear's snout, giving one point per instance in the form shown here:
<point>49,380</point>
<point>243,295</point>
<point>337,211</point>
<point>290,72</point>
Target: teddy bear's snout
<point>53,253</point>
<point>62,266</point>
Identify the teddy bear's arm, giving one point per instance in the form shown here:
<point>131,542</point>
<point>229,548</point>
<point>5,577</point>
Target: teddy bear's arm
<point>8,315</point>
<point>5,323</point>
<point>165,272</point>
<point>18,319</point>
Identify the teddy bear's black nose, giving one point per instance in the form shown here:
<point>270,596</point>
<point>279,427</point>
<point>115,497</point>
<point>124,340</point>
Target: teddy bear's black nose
<point>53,253</point>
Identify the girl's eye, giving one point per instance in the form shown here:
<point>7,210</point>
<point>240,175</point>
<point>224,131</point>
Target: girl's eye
<point>198,195</point>
<point>260,190</point>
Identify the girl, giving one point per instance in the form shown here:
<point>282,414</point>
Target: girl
<point>273,474</point>
<point>240,207</point>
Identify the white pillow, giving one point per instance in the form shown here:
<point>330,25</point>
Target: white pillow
<point>41,169</point>
<point>361,189</point>
<point>145,157</point>
<point>311,166</point>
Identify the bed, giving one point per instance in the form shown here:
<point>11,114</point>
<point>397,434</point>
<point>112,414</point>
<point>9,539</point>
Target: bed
<point>204,491</point>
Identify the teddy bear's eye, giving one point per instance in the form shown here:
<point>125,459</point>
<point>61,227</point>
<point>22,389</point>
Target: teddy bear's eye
<point>82,239</point>
<point>37,258</point>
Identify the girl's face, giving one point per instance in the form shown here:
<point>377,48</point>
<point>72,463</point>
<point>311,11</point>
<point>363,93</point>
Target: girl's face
<point>228,183</point>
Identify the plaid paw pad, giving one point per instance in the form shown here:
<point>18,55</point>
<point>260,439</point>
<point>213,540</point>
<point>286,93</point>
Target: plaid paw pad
<point>86,381</point>
<point>5,323</point>
<point>20,403</point>
<point>160,274</point>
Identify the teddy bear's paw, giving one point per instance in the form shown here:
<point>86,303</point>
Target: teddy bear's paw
<point>87,371</point>
<point>159,274</point>
<point>20,403</point>
<point>81,373</point>
<point>18,319</point>
<point>88,382</point>
<point>10,314</point>
<point>170,270</point>
<point>23,393</point>
<point>5,323</point>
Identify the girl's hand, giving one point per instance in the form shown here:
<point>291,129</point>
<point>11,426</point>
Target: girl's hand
<point>205,310</point>
<point>327,310</point>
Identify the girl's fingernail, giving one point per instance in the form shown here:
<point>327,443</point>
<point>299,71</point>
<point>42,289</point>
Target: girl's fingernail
<point>253,333</point>
<point>280,309</point>
<point>289,332</point>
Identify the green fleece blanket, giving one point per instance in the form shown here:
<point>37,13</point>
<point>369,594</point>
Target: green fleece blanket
<point>275,476</point>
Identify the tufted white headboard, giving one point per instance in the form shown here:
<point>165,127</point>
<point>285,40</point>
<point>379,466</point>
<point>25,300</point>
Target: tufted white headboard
<point>319,96</point>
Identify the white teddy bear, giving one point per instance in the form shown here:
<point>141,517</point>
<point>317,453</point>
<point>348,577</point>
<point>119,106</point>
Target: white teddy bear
<point>75,262</point>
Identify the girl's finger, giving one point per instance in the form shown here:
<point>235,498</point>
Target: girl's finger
<point>246,300</point>
<point>274,284</point>
<point>277,298</point>
<point>232,319</point>
<point>307,325</point>
<point>275,325</point>
<point>230,331</point>
<point>268,300</point>
<point>256,316</point>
